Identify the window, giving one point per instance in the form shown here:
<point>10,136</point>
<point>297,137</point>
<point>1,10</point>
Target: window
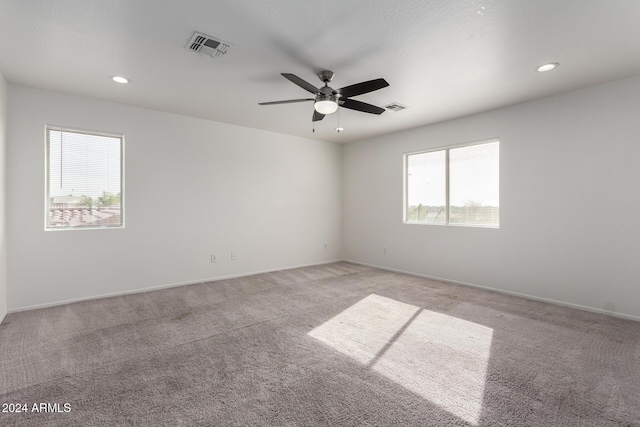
<point>84,179</point>
<point>457,185</point>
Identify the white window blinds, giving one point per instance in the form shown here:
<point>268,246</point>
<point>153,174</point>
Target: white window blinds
<point>84,179</point>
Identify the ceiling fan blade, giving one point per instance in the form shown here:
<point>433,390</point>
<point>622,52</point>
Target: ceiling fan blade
<point>352,104</point>
<point>360,88</point>
<point>288,101</point>
<point>317,116</point>
<point>302,83</point>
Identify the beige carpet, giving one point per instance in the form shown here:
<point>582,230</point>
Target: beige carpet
<point>332,345</point>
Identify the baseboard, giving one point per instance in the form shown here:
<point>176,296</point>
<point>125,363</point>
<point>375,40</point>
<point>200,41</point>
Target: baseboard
<point>395,270</point>
<point>502,291</point>
<point>2,316</point>
<point>165,286</point>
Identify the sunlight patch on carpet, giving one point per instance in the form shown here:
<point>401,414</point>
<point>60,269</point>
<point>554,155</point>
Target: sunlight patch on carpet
<point>439,357</point>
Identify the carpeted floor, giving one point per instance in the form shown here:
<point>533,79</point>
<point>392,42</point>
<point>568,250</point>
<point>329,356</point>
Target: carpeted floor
<point>332,345</point>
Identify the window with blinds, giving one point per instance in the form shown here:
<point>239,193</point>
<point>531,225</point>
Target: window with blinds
<point>458,185</point>
<point>84,179</point>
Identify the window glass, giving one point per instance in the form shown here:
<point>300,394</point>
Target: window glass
<point>474,184</point>
<point>458,185</point>
<point>426,187</point>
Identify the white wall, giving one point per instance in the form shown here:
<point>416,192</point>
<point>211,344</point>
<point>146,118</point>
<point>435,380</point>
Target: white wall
<point>192,188</point>
<point>569,201</point>
<point>3,198</point>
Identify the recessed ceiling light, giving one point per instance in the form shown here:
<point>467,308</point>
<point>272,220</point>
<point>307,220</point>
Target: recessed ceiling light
<point>120,79</point>
<point>548,67</point>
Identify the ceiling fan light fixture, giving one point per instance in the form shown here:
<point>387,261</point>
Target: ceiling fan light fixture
<point>326,106</point>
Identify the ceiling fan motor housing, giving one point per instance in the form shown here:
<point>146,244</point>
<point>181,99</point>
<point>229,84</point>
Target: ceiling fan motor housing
<point>327,93</point>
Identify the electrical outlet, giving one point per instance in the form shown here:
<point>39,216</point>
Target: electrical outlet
<point>326,247</point>
<point>233,256</point>
<point>384,251</point>
<point>214,259</point>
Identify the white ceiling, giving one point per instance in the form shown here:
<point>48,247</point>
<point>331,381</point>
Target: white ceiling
<point>442,58</point>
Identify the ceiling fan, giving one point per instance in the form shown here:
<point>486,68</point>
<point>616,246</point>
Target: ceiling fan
<point>327,100</point>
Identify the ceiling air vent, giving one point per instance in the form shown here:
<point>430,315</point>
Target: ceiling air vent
<point>394,106</point>
<point>207,45</point>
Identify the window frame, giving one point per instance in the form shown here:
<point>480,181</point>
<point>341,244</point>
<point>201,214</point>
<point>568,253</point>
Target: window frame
<point>47,186</point>
<point>446,149</point>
